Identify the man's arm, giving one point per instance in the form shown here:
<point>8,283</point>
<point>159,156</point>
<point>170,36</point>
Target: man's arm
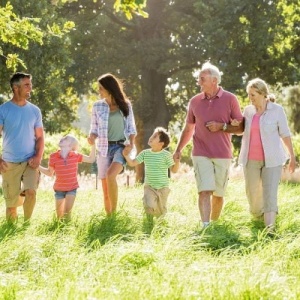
<point>185,137</point>
<point>35,161</point>
<point>175,167</point>
<point>3,165</point>
<point>229,128</point>
<point>236,129</point>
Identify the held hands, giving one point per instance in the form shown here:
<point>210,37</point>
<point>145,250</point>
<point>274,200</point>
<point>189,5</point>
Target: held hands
<point>177,156</point>
<point>91,139</point>
<point>34,162</point>
<point>126,151</point>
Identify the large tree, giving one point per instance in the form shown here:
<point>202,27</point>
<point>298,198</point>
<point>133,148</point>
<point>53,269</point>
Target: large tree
<point>245,39</point>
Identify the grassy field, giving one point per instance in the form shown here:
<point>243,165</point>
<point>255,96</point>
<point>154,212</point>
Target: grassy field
<point>122,257</point>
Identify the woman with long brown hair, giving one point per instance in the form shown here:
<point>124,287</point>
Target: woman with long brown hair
<point>113,126</point>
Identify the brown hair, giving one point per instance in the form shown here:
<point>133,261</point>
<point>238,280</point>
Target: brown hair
<point>115,87</point>
<point>164,136</point>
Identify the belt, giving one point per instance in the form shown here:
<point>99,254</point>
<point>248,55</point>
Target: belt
<point>120,142</point>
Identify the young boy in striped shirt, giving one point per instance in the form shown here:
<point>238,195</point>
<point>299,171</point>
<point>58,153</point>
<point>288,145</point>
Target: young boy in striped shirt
<point>157,161</point>
<point>64,163</point>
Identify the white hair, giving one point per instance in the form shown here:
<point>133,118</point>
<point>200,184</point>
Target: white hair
<point>213,70</point>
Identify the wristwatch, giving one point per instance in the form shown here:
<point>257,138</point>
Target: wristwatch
<point>224,127</point>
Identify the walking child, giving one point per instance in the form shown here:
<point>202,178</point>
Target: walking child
<point>157,161</point>
<point>64,163</point>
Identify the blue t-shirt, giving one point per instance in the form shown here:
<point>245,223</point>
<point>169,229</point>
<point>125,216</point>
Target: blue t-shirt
<point>19,123</point>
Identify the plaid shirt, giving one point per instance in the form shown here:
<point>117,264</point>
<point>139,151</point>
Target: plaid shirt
<point>99,125</point>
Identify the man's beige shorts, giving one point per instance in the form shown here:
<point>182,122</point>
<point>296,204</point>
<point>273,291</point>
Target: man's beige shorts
<point>155,200</point>
<point>211,174</point>
<point>18,178</point>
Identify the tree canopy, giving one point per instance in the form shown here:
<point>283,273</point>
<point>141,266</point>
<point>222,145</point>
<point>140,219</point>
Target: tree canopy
<point>156,56</point>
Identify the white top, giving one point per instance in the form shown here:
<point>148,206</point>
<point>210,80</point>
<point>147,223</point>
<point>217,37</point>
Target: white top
<point>273,126</point>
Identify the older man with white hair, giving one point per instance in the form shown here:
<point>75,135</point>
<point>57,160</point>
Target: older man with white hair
<point>208,121</point>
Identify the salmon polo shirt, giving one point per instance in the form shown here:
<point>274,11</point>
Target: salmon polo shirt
<point>222,108</point>
<point>65,170</point>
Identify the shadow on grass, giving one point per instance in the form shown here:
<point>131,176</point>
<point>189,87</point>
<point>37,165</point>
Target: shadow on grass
<point>217,237</point>
<point>8,230</point>
<point>53,226</point>
<point>220,237</point>
<point>104,229</point>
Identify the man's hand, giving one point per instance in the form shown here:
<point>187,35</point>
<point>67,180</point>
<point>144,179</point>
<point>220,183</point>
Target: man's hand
<point>34,162</point>
<point>3,166</point>
<point>214,126</point>
<point>177,155</point>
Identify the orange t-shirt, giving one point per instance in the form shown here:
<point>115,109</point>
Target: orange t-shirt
<point>65,170</point>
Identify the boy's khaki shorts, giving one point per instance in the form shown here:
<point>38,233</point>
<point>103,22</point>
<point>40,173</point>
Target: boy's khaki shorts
<point>16,179</point>
<point>155,200</point>
<point>211,174</point>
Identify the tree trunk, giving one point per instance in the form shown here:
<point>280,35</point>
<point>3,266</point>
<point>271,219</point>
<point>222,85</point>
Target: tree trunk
<point>152,111</point>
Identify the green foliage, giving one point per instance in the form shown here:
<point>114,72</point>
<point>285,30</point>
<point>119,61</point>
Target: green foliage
<point>245,39</point>
<point>46,61</point>
<point>20,31</point>
<point>130,7</point>
<point>292,104</point>
<point>158,60</point>
<point>296,146</point>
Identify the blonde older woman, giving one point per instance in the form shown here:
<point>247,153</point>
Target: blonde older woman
<point>262,153</point>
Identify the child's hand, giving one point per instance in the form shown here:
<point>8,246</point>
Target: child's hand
<point>127,150</point>
<point>235,122</point>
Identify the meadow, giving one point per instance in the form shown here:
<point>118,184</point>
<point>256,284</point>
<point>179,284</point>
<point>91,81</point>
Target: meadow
<point>124,257</point>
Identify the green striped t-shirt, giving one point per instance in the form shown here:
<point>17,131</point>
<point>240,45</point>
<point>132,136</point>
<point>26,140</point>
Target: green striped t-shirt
<point>156,167</point>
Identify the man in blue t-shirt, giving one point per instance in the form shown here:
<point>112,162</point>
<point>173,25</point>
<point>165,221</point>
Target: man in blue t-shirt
<point>23,145</point>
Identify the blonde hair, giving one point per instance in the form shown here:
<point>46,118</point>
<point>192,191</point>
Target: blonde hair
<point>67,143</point>
<point>261,87</point>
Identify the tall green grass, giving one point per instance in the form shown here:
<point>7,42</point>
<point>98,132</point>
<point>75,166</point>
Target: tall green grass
<point>124,257</point>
